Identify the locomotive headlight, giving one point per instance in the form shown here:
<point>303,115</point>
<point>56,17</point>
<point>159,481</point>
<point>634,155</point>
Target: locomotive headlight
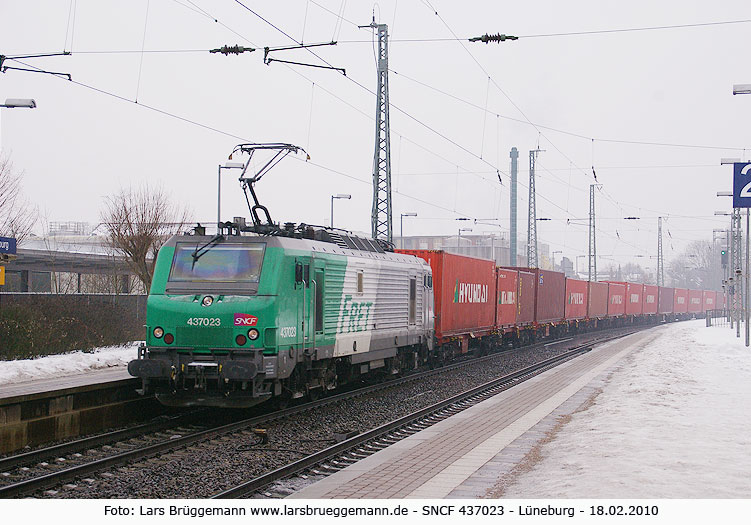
<point>252,334</point>
<point>207,301</point>
<point>158,332</point>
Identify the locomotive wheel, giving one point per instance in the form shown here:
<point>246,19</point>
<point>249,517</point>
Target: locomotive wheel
<point>314,394</point>
<point>282,401</point>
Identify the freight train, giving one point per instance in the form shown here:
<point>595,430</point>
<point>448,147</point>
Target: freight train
<point>240,319</point>
<point>264,312</point>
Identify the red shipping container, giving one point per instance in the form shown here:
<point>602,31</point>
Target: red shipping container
<point>649,304</point>
<point>597,304</point>
<point>710,299</point>
<point>634,293</point>
<point>616,299</point>
<point>507,291</point>
<point>694,301</point>
<point>464,291</point>
<point>525,313</point>
<point>666,300</point>
<point>680,303</point>
<point>549,296</point>
<point>632,298</point>
<point>576,299</point>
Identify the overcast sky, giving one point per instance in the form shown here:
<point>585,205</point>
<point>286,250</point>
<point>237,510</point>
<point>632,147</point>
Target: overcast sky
<point>457,109</point>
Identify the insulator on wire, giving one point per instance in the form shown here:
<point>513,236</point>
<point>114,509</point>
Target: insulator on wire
<point>493,38</point>
<point>232,50</point>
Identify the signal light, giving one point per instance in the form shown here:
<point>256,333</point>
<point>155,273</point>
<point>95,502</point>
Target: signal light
<point>241,340</point>
<point>169,338</point>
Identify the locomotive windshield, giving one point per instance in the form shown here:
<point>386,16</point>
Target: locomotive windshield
<point>221,263</point>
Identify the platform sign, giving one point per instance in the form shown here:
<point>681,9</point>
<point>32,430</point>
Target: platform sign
<point>7,245</point>
<point>742,185</point>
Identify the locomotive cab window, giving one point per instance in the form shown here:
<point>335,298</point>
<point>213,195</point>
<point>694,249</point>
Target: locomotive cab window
<point>220,263</point>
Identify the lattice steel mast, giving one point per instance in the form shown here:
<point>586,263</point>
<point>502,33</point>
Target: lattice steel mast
<point>381,223</point>
<point>660,260</point>
<point>532,216</point>
<point>736,255</point>
<point>592,257</point>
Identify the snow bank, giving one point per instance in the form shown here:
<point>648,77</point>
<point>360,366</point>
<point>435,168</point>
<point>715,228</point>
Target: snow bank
<point>66,364</point>
<point>671,422</point>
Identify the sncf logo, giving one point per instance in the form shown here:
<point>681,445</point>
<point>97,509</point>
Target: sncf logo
<point>245,320</point>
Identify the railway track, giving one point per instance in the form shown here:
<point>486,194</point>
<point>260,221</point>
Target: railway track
<point>64,464</point>
<point>350,451</point>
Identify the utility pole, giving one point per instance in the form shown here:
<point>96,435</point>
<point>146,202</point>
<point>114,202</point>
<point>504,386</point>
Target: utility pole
<point>532,217</point>
<point>660,260</point>
<point>514,172</point>
<point>731,272</point>
<point>592,237</point>
<point>380,220</point>
<point>737,258</point>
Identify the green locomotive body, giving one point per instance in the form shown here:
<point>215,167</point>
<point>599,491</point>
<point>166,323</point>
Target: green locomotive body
<point>238,320</point>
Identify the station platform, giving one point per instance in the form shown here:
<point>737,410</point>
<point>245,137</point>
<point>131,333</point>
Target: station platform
<point>56,384</point>
<point>44,410</point>
<point>473,453</point>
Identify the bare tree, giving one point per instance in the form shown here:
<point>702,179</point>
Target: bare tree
<point>17,215</point>
<point>698,267</point>
<point>138,222</point>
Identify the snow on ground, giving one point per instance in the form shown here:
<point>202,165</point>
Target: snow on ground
<point>66,364</point>
<point>672,421</point>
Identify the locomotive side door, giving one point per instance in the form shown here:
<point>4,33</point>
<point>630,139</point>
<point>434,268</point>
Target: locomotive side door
<point>302,302</point>
<point>317,304</point>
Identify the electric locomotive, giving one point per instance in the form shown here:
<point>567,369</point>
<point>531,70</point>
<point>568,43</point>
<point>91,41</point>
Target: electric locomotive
<point>260,311</point>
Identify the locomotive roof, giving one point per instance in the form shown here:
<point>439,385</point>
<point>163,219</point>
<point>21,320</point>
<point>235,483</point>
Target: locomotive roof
<point>300,244</point>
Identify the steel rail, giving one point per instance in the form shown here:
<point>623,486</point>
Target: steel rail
<point>343,446</point>
<point>35,456</point>
<point>77,471</point>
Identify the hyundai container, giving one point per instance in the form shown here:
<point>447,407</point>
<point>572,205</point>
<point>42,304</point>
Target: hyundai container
<point>464,290</point>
